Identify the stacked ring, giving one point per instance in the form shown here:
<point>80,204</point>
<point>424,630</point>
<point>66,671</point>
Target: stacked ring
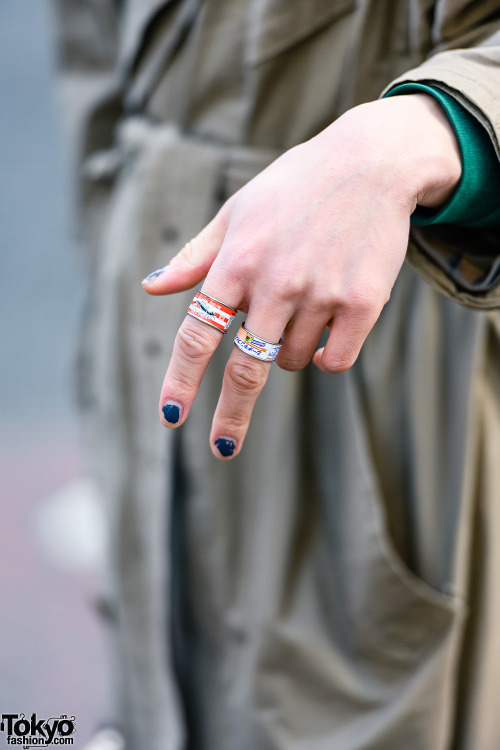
<point>255,346</point>
<point>211,311</point>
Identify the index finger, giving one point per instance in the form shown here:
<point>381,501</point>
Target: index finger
<point>197,339</point>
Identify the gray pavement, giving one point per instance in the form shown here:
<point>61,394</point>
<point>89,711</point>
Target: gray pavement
<point>40,278</point>
<point>52,646</point>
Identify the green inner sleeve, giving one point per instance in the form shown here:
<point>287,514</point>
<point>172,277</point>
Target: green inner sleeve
<point>476,199</point>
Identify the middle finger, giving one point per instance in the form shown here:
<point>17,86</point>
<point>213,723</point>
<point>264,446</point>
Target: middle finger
<point>244,379</point>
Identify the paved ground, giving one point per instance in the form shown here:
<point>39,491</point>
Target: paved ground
<point>52,649</point>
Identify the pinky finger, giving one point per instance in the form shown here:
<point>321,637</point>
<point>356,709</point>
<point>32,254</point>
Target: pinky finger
<point>346,337</point>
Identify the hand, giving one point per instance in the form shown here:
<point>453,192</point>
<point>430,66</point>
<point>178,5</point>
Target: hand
<point>317,239</point>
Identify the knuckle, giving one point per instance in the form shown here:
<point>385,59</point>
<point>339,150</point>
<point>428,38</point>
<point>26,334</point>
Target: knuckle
<point>234,422</point>
<point>247,256</point>
<point>340,363</point>
<point>367,299</point>
<point>233,275</point>
<point>248,378</point>
<point>291,363</point>
<point>282,286</point>
<point>234,268</point>
<point>194,342</point>
<point>182,384</point>
<point>189,254</point>
<point>326,301</point>
<point>243,259</point>
<point>290,289</point>
<point>354,302</point>
<point>179,383</point>
<point>363,308</point>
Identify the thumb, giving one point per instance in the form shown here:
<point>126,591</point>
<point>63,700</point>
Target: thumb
<point>192,263</point>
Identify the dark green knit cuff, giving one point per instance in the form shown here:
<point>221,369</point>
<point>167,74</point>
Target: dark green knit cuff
<point>476,199</point>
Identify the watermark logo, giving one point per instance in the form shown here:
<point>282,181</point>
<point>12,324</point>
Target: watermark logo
<point>35,732</point>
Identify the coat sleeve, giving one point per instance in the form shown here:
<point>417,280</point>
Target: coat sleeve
<point>463,263</point>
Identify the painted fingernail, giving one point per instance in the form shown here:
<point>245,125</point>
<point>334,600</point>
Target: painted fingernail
<point>153,275</point>
<point>225,446</point>
<point>171,412</point>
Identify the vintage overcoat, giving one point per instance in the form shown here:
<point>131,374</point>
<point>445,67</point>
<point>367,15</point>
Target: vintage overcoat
<point>337,585</point>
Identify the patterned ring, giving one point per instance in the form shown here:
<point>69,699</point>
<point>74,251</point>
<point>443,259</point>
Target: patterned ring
<point>211,311</point>
<point>255,346</point>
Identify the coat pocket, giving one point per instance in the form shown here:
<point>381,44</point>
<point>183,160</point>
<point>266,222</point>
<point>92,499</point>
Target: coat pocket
<point>277,25</point>
<point>392,614</point>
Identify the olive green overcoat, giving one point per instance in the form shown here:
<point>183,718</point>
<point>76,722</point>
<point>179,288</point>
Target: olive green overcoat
<point>337,585</point>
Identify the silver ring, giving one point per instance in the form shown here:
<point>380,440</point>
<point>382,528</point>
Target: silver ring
<point>211,311</point>
<point>256,346</point>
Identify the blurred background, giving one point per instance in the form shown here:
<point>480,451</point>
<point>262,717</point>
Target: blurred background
<point>52,645</point>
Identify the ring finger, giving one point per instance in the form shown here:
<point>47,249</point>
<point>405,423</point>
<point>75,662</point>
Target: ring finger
<point>244,379</point>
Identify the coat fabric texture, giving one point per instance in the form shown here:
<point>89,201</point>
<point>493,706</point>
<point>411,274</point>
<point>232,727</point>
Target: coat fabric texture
<point>336,586</point>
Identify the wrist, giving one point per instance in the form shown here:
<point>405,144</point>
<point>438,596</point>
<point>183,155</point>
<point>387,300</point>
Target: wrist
<point>409,141</point>
<point>436,149</point>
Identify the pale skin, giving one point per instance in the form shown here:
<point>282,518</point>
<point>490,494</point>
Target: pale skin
<point>317,239</point>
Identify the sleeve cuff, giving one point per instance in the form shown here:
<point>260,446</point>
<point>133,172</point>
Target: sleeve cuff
<point>476,200</point>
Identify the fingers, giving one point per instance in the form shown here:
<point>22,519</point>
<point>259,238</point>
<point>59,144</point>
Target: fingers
<point>301,337</point>
<point>347,334</point>
<point>192,262</point>
<point>193,347</point>
<point>244,379</point>
<point>245,376</point>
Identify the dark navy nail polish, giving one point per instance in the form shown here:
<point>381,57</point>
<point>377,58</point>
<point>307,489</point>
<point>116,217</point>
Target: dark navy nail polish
<point>225,446</point>
<point>153,275</point>
<point>171,412</point>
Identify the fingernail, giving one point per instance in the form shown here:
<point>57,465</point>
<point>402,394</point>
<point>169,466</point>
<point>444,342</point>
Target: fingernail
<point>225,446</point>
<point>153,275</point>
<point>171,412</point>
